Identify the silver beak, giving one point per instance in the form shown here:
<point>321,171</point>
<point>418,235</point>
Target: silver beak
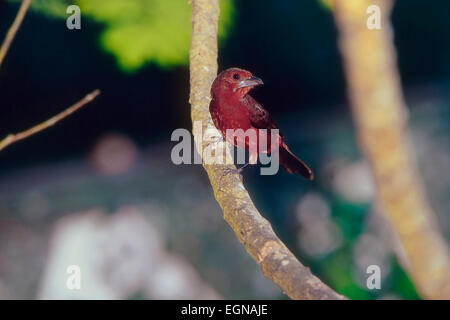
<point>250,82</point>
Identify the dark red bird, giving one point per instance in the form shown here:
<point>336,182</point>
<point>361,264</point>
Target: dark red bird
<point>232,107</point>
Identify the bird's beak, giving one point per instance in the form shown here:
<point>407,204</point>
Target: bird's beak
<point>250,82</point>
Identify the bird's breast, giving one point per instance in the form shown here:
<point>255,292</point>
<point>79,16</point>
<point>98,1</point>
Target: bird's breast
<point>228,115</point>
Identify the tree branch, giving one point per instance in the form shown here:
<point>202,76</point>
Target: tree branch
<point>381,117</point>
<point>13,138</point>
<point>13,29</point>
<point>276,261</point>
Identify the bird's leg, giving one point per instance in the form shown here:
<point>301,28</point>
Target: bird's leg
<point>243,167</point>
<point>238,171</point>
<point>253,160</point>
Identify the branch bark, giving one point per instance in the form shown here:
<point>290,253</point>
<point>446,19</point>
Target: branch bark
<point>381,117</point>
<point>276,261</point>
<point>14,28</point>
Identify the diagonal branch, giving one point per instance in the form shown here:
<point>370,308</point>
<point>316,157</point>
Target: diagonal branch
<point>381,117</point>
<point>276,261</point>
<point>14,28</point>
<point>13,138</point>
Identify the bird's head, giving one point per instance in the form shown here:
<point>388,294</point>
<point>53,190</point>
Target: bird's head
<point>234,82</point>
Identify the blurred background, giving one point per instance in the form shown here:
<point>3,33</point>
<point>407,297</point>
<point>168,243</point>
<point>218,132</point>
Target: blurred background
<point>99,190</point>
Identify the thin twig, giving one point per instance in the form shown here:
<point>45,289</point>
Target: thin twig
<point>254,231</point>
<point>14,28</point>
<point>13,138</point>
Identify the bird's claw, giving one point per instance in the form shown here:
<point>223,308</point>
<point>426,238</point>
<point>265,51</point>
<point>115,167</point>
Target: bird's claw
<point>228,171</point>
<point>236,170</point>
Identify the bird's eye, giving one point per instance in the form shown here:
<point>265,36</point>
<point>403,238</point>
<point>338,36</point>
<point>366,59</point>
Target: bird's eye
<point>236,76</point>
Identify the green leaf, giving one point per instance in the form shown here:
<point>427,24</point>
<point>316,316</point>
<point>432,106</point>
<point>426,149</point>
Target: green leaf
<point>327,4</point>
<point>142,31</point>
<point>138,32</point>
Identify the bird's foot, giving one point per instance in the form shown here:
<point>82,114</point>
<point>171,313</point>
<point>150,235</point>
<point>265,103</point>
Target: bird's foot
<point>243,167</point>
<point>225,173</point>
<point>228,171</point>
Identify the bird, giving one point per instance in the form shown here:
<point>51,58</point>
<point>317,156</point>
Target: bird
<point>232,107</point>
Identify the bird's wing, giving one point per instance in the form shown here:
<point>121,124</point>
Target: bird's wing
<point>259,117</point>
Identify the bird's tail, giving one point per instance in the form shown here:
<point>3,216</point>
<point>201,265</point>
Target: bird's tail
<point>292,164</point>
